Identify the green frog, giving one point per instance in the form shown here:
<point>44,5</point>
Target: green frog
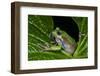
<point>61,41</point>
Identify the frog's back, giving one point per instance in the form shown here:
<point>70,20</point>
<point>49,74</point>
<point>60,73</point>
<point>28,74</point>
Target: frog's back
<point>70,42</point>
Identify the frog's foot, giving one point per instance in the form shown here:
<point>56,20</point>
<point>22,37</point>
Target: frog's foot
<point>46,48</point>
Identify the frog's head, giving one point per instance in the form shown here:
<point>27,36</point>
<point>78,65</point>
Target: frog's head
<point>58,31</point>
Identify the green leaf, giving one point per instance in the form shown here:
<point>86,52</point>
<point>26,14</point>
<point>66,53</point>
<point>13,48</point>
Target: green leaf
<point>39,29</point>
<point>47,55</point>
<point>82,47</point>
<point>82,23</point>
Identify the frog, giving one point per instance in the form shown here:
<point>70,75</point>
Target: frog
<point>60,40</point>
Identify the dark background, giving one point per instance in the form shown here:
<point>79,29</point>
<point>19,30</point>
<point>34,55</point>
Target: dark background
<point>67,24</point>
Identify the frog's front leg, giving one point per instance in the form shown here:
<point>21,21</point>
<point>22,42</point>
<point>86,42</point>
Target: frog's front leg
<point>52,48</point>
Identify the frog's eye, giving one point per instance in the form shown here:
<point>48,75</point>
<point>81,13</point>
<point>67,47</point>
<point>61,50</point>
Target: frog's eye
<point>59,32</point>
